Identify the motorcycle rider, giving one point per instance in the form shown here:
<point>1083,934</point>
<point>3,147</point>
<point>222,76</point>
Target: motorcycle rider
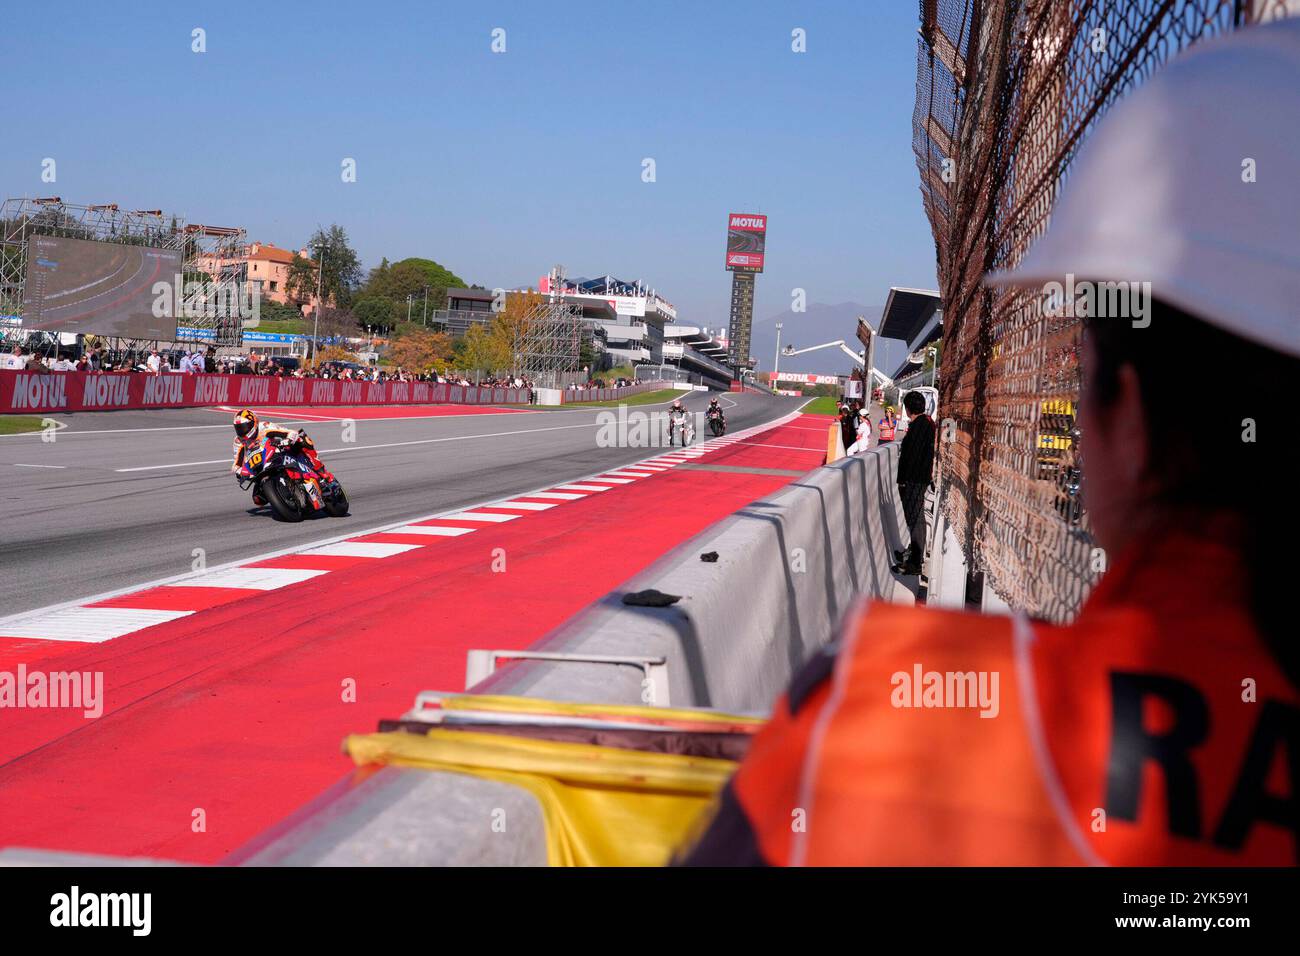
<point>251,433</point>
<point>715,408</point>
<point>676,418</point>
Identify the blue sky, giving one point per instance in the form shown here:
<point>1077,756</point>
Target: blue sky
<point>497,165</point>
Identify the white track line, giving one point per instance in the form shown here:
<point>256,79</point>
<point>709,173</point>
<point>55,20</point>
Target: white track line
<point>392,444</point>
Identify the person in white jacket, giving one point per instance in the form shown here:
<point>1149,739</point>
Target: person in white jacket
<point>864,433</point>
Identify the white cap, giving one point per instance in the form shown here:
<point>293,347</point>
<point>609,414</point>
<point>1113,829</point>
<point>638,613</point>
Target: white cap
<point>1156,193</point>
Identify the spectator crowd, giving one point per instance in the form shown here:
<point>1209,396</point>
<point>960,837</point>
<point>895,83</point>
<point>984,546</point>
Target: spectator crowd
<point>204,361</point>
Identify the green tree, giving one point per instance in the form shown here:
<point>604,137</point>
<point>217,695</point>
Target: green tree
<point>271,311</point>
<point>376,311</point>
<point>395,282</point>
<point>340,275</point>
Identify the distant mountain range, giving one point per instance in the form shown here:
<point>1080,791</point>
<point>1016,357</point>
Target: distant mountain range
<point>821,323</point>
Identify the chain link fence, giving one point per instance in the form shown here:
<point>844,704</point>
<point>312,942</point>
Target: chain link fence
<point>1006,92</point>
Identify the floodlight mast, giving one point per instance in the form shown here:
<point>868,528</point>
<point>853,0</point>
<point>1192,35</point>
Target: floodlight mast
<point>857,357</point>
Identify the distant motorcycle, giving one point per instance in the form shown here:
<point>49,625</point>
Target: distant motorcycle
<point>717,424</point>
<point>292,480</point>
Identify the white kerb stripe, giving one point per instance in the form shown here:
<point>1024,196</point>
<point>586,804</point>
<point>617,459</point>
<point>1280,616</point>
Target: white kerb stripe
<point>362,549</point>
<point>616,481</point>
<point>478,516</point>
<point>257,579</point>
<point>89,624</point>
<point>556,495</point>
<point>432,529</point>
<point>581,488</point>
<point>521,505</point>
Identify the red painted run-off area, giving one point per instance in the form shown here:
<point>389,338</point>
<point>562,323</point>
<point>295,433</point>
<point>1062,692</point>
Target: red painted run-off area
<point>238,711</point>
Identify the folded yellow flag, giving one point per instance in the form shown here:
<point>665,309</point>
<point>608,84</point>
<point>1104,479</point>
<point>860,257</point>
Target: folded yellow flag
<point>603,806</point>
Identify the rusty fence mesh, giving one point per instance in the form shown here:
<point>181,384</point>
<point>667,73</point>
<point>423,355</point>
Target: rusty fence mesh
<point>1006,91</point>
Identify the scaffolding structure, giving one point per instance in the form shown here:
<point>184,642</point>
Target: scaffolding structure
<point>22,219</point>
<point>1006,91</point>
<point>548,340</point>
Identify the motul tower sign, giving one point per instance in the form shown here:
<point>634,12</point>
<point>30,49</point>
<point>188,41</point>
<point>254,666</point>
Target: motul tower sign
<point>746,240</point>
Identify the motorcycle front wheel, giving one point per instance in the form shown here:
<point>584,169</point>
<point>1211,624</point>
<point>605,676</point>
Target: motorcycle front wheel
<point>280,495</point>
<point>336,502</point>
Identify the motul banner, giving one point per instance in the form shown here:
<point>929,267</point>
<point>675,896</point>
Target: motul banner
<point>29,392</point>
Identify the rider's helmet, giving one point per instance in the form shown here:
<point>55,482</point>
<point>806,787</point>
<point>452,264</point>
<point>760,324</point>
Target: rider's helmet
<point>713,401</point>
<point>677,405</point>
<point>245,423</point>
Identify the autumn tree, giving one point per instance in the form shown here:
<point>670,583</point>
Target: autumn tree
<point>420,350</point>
<point>483,349</point>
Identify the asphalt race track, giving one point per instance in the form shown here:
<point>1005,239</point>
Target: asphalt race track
<point>119,499</point>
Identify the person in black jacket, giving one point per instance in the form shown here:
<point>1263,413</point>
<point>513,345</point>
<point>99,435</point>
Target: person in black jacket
<point>915,472</point>
<point>848,427</point>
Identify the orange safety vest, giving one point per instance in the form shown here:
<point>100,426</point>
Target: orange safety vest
<point>886,430</point>
<point>1128,738</point>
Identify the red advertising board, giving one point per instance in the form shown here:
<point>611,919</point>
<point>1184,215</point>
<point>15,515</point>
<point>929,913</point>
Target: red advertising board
<point>23,393</point>
<point>746,238</point>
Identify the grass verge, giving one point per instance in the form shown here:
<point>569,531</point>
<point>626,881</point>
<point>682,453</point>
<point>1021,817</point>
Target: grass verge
<point>825,405</point>
<point>18,424</point>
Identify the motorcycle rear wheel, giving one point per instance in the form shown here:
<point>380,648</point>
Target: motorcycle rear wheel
<point>279,494</point>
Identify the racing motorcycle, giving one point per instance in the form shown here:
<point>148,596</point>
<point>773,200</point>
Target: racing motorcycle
<point>286,473</point>
<point>717,424</point>
<point>687,430</point>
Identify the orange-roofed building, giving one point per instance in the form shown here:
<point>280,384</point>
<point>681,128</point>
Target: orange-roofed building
<point>268,271</point>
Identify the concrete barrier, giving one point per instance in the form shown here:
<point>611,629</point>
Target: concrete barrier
<point>788,567</point>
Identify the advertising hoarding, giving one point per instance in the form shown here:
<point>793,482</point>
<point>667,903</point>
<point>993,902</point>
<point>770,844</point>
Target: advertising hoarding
<point>746,238</point>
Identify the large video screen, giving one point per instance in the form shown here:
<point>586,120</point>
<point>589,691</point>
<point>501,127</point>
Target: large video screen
<point>76,285</point>
<point>746,236</point>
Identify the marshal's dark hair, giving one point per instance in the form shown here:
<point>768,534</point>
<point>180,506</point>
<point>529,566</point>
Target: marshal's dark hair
<point>1196,421</point>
